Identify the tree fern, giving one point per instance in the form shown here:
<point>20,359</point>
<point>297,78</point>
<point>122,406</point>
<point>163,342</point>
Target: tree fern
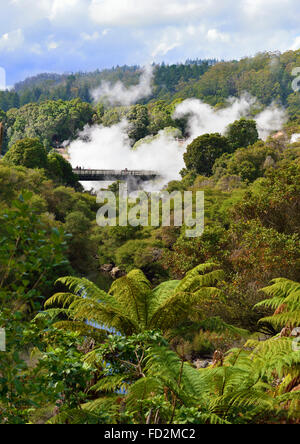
<point>284,296</point>
<point>131,306</point>
<point>256,383</point>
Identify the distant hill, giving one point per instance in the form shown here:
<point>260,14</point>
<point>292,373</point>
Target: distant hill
<point>267,76</point>
<point>168,79</point>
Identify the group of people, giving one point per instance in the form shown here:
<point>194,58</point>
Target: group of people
<point>80,168</point>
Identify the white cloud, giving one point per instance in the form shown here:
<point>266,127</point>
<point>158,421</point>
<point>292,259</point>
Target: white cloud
<point>138,31</point>
<point>194,39</point>
<point>170,39</point>
<point>296,44</point>
<point>58,12</point>
<point>64,8</point>
<point>90,37</point>
<point>258,8</point>
<point>11,40</point>
<point>145,12</point>
<point>52,45</point>
<point>265,14</point>
<point>36,49</point>
<point>214,35</point>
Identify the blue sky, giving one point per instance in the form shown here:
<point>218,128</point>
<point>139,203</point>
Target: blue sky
<point>82,35</point>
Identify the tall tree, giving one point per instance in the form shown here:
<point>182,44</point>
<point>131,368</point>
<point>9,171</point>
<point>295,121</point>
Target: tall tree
<point>202,153</point>
<point>242,133</point>
<point>29,153</point>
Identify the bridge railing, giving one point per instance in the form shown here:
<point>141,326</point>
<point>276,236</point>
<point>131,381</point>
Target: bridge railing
<point>84,172</point>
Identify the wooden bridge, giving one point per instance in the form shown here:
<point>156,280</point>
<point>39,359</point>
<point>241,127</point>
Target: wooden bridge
<point>85,175</point>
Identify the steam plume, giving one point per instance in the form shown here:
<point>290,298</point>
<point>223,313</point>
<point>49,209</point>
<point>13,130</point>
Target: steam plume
<point>109,147</point>
<point>118,94</point>
<point>203,118</point>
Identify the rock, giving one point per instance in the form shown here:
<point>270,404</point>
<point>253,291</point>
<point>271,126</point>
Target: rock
<point>156,254</point>
<point>296,332</point>
<point>107,268</point>
<point>201,364</point>
<point>116,273</point>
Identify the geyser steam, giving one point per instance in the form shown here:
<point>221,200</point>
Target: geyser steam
<point>118,94</point>
<point>202,118</point>
<point>110,148</point>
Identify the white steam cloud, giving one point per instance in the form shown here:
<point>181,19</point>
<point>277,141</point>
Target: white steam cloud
<point>203,118</point>
<point>271,119</point>
<point>118,94</point>
<point>109,147</point>
<point>295,138</point>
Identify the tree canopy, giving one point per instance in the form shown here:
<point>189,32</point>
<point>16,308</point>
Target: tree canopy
<point>202,153</point>
<point>242,133</point>
<point>29,153</point>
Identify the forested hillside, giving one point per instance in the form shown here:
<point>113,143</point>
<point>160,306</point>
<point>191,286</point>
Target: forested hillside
<point>167,80</point>
<point>266,76</point>
<point>143,324</point>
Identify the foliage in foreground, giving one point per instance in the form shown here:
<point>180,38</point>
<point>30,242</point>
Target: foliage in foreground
<point>132,306</point>
<point>140,379</point>
<point>137,377</point>
<point>32,255</point>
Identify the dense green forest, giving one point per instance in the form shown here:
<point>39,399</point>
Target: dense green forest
<point>143,325</point>
<point>167,80</point>
<point>266,76</point>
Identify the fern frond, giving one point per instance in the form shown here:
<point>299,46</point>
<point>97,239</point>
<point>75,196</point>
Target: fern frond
<point>141,390</point>
<point>178,307</point>
<point>203,275</point>
<point>52,313</point>
<point>111,384</point>
<point>106,403</point>
<point>161,294</point>
<point>219,326</point>
<point>62,299</point>
<point>76,416</point>
<point>83,328</point>
<point>132,293</point>
<point>273,303</point>
<point>291,318</point>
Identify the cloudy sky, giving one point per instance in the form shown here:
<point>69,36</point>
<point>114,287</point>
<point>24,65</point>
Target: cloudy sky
<point>82,35</point>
